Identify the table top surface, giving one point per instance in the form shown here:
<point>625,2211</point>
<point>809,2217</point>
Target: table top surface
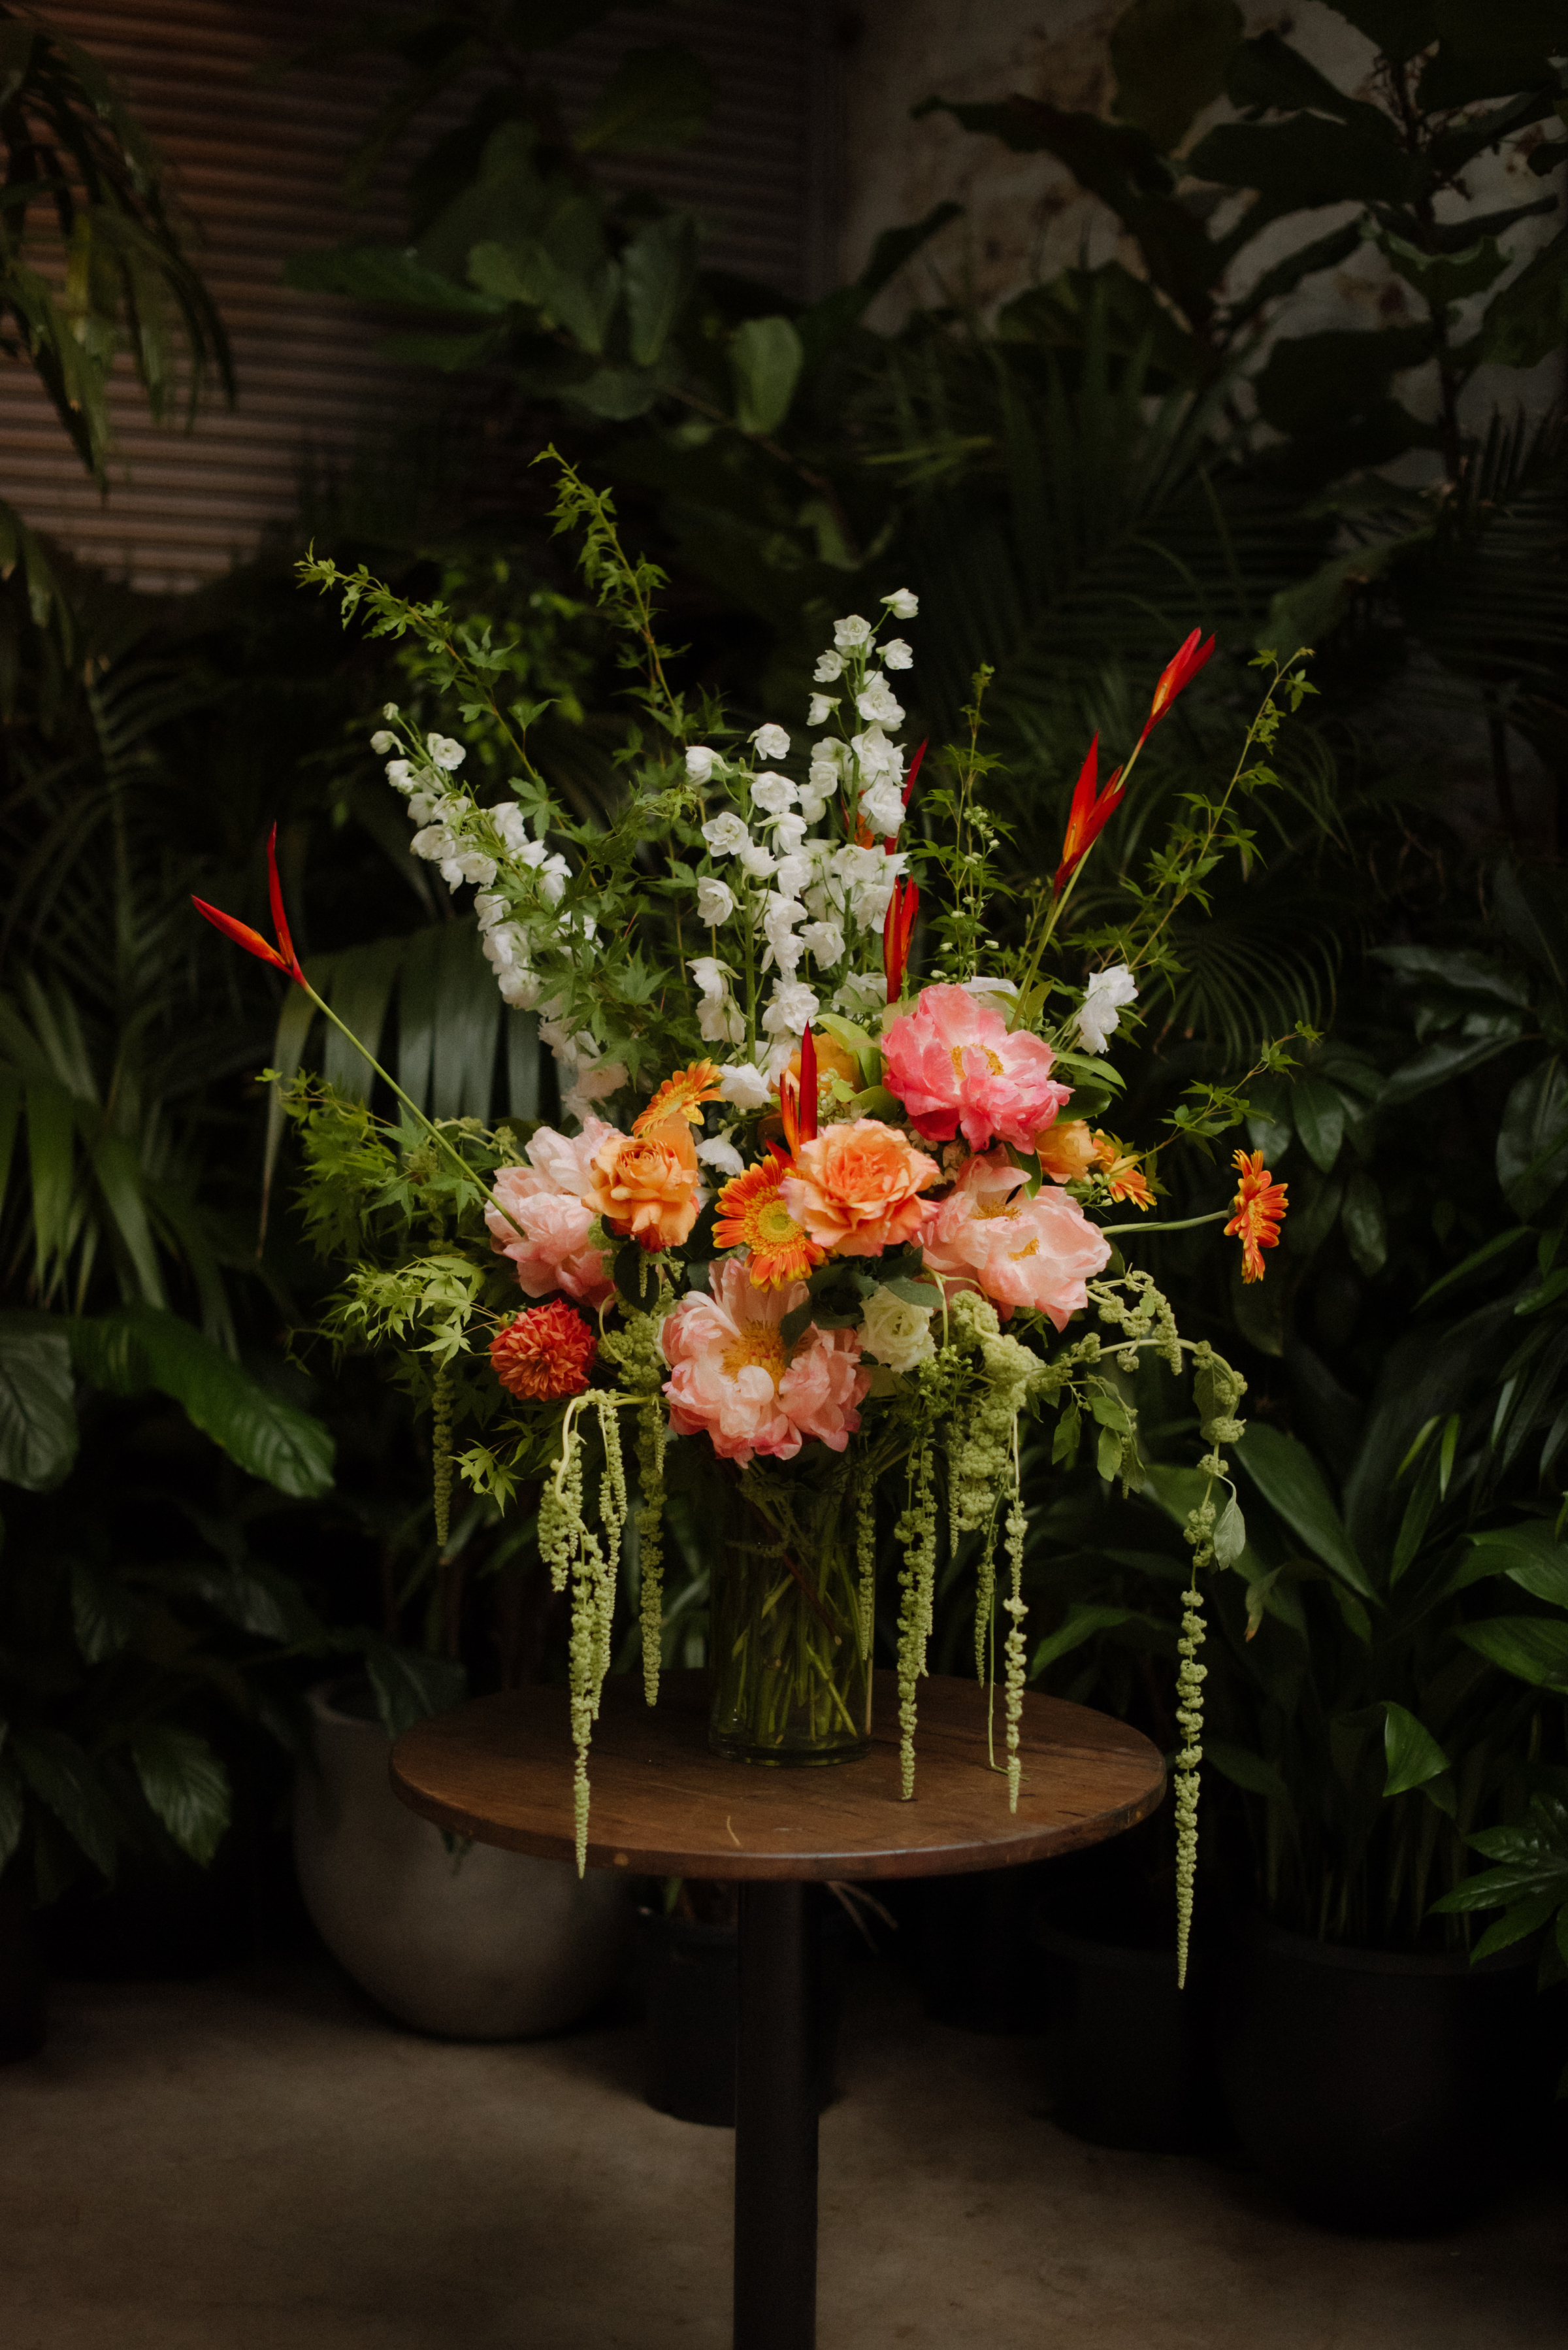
<point>499,1770</point>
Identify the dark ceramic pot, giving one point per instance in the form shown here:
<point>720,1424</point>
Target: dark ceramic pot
<point>23,1984</point>
<point>1128,2059</point>
<point>690,1981</point>
<point>1382,2093</point>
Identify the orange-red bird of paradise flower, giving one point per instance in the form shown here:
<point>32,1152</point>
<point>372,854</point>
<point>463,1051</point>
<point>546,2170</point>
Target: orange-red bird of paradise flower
<point>282,957</point>
<point>1087,817</point>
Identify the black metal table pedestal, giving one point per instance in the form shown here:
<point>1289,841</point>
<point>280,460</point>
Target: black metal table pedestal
<point>775,2121</point>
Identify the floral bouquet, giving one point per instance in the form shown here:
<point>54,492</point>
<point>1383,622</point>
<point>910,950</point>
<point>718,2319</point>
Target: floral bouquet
<point>824,1230</point>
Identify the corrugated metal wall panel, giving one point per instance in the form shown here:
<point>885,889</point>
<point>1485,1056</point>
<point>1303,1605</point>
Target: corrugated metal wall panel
<point>257,167</point>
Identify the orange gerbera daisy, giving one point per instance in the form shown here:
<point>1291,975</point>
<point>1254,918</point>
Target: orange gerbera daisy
<point>1260,1205</point>
<point>681,1096</point>
<point>751,1215</point>
<point>1123,1171</point>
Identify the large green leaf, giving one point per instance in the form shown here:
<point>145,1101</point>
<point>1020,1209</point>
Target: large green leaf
<point>1533,1647</point>
<point>410,1684</point>
<point>385,272</point>
<point>1291,1482</point>
<point>1528,320</point>
<point>104,1614</point>
<point>1319,1114</point>
<point>659,269</point>
<point>62,1775</point>
<point>143,1346</point>
<point>1171,59</point>
<point>1532,1137</point>
<point>1414,1756</point>
<point>765,360</point>
<point>38,1433</point>
<point>1528,1555</point>
<point>186,1785</point>
<point>655,98</point>
<point>1304,162</point>
<point>1082,1619</point>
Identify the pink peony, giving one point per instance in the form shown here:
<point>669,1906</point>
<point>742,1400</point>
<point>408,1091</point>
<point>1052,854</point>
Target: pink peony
<point>952,1063</point>
<point>1039,1253</point>
<point>734,1374</point>
<point>548,1200</point>
<point>853,1188</point>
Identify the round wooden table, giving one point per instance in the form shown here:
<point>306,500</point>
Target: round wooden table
<point>500,1769</point>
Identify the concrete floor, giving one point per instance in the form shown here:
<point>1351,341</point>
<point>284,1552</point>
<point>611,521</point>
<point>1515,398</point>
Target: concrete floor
<point>260,2163</point>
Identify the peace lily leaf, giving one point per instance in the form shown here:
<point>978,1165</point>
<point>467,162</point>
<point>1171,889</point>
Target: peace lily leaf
<point>64,1777</point>
<point>1413,1754</point>
<point>1083,1618</point>
<point>37,1411</point>
<point>1288,1478</point>
<point>186,1785</point>
<point>765,360</point>
<point>410,1684</point>
<point>1245,1769</point>
<point>1532,1647</point>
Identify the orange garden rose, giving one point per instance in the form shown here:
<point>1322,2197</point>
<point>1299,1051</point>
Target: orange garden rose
<point>1260,1205</point>
<point>646,1184</point>
<point>1066,1150</point>
<point>854,1188</point>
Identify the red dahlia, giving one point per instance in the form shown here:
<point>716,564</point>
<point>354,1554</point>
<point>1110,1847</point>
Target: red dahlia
<point>544,1355</point>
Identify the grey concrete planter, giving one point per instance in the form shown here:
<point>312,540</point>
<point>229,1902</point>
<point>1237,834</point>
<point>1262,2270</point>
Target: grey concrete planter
<point>476,1944</point>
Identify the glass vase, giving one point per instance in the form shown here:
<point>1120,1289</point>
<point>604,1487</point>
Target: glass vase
<point>789,1625</point>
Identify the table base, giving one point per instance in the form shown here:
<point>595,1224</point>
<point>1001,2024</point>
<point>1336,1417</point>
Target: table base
<point>775,2120</point>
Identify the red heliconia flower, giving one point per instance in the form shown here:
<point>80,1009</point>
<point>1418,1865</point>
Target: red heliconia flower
<point>282,957</point>
<point>909,787</point>
<point>1176,674</point>
<point>544,1355</point>
<point>798,1098</point>
<point>1087,817</point>
<point>898,926</point>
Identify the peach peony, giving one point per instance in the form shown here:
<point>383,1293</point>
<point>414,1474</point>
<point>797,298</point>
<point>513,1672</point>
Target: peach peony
<point>547,1199</point>
<point>987,1234</point>
<point>952,1063</point>
<point>646,1184</point>
<point>1067,1150</point>
<point>733,1376</point>
<point>853,1188</point>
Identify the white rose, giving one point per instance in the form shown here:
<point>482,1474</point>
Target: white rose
<point>715,902</point>
<point>721,1152</point>
<point>821,709</point>
<point>1099,1014</point>
<point>793,1008</point>
<point>896,654</point>
<point>445,751</point>
<point>895,1333</point>
<point>774,794</point>
<point>725,835</point>
<point>901,604</point>
<point>850,634</point>
<point>755,859</point>
<point>772,743</point>
<point>743,1085</point>
<point>829,668</point>
<point>823,941</point>
<point>700,762</point>
<point>877,702</point>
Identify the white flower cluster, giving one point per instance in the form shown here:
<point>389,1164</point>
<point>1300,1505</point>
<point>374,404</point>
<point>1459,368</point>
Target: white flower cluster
<point>796,897</point>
